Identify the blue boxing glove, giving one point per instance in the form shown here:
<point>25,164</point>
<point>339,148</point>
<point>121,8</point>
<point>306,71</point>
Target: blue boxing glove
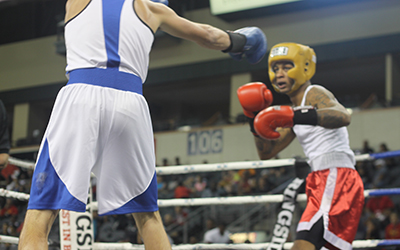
<point>250,41</point>
<point>161,1</point>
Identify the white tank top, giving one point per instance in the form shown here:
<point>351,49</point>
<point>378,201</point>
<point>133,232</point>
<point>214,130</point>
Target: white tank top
<point>324,148</point>
<point>109,34</point>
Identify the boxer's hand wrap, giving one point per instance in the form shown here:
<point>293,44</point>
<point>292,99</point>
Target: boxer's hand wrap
<point>238,41</point>
<point>306,115</point>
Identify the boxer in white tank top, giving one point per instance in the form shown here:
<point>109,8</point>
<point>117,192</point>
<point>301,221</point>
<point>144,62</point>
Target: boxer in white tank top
<point>100,122</point>
<point>334,188</point>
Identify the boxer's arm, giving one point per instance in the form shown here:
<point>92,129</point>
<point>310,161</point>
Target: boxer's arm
<point>330,113</point>
<point>73,8</point>
<point>4,137</point>
<point>204,35</point>
<point>3,160</point>
<point>269,148</point>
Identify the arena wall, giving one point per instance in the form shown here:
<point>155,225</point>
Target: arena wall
<point>35,62</point>
<point>235,142</point>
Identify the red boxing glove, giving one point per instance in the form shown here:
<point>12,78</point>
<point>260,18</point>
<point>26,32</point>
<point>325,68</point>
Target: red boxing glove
<point>271,118</point>
<point>254,97</point>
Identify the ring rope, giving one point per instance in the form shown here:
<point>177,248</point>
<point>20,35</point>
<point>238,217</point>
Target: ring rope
<point>9,239</point>
<point>214,167</point>
<point>258,246</point>
<point>238,246</point>
<point>385,154</point>
<point>274,198</point>
<point>14,194</point>
<point>21,163</point>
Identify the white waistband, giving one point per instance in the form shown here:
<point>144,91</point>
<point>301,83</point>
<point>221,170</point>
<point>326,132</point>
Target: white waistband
<point>333,159</point>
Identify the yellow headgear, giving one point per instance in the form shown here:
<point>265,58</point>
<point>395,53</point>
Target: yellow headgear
<point>303,58</point>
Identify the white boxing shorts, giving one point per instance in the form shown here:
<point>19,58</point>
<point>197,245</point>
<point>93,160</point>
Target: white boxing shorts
<point>101,128</point>
<point>335,196</point>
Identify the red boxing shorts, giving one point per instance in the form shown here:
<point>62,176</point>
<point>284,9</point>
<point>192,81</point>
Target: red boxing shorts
<point>335,196</point>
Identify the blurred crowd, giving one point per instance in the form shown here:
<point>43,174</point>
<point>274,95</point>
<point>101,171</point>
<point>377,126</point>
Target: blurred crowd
<point>380,219</point>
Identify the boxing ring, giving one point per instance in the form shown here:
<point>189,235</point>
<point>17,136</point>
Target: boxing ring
<point>214,201</point>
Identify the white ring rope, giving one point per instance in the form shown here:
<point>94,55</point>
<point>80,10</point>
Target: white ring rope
<point>214,167</point>
<point>258,246</point>
<point>274,198</point>
<point>211,167</point>
<point>13,194</point>
<point>21,163</point>
<point>9,239</point>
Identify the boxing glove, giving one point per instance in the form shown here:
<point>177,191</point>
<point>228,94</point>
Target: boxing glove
<point>161,1</point>
<point>266,121</point>
<point>248,41</point>
<point>254,97</point>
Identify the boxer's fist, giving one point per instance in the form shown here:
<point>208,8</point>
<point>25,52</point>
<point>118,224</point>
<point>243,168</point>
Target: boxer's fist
<point>266,122</point>
<point>254,97</point>
<point>250,41</point>
<point>161,1</point>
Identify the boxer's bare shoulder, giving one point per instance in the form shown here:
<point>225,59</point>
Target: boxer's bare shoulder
<point>74,7</point>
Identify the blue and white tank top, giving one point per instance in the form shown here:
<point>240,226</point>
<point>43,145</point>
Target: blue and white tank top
<point>108,34</point>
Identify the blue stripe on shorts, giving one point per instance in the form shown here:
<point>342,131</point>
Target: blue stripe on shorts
<point>47,190</point>
<point>146,202</point>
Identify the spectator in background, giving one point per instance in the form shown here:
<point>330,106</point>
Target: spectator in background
<point>392,231</point>
<point>390,161</point>
<point>5,231</point>
<point>378,204</point>
<point>217,235</point>
<point>210,224</point>
<point>162,187</point>
<point>4,137</point>
<point>227,185</point>
<point>9,209</point>
<point>200,184</point>
<point>211,190</point>
<point>380,207</point>
<point>383,148</point>
<point>380,174</point>
<point>265,184</point>
<point>177,161</point>
<point>366,148</point>
<point>165,162</point>
<point>181,191</point>
<point>247,184</point>
<point>169,223</point>
<point>180,215</point>
<point>372,229</point>
<point>364,168</point>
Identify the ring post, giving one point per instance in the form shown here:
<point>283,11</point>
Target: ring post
<point>76,229</point>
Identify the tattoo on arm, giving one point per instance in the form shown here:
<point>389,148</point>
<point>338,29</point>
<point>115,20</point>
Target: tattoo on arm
<point>331,114</point>
<point>264,147</point>
<point>269,148</point>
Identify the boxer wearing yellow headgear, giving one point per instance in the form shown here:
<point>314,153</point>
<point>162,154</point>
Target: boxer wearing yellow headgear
<point>303,58</point>
<point>335,192</point>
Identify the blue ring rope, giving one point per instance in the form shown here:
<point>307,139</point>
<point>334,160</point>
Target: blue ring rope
<point>386,154</point>
<point>388,191</point>
<point>388,243</point>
